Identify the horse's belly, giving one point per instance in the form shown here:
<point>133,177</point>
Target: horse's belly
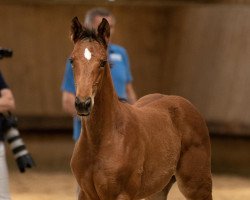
<point>162,155</point>
<point>157,174</point>
<point>153,187</point>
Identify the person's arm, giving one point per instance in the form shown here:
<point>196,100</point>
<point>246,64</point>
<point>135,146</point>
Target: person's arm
<point>131,93</point>
<point>68,103</point>
<point>7,102</point>
<point>68,90</point>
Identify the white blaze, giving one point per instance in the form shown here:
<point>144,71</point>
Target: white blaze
<point>87,54</point>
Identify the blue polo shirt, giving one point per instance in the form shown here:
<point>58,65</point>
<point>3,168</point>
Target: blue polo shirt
<point>120,72</point>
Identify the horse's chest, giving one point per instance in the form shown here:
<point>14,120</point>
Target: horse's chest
<point>110,183</point>
<point>109,171</point>
<point>108,180</point>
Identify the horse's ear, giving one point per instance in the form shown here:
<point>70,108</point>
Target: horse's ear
<point>104,31</point>
<point>76,29</point>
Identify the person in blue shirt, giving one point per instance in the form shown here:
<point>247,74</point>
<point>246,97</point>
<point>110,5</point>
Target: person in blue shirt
<point>120,70</point>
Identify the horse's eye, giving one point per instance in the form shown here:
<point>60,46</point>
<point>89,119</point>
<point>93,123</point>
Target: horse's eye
<point>71,60</point>
<point>103,63</point>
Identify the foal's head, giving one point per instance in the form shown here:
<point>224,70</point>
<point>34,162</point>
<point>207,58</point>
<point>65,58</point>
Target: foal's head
<point>88,59</point>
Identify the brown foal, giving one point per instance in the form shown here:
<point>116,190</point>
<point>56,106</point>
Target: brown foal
<point>128,152</point>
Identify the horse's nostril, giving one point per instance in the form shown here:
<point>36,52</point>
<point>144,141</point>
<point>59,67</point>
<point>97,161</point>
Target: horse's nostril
<point>77,100</point>
<point>87,103</point>
<point>78,103</point>
<point>83,106</point>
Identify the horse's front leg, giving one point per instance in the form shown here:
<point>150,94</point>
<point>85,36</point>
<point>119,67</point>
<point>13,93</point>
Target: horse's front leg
<point>81,196</point>
<point>164,193</point>
<point>123,196</point>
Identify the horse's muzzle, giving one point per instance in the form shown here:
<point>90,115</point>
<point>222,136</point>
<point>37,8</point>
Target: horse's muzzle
<point>83,107</point>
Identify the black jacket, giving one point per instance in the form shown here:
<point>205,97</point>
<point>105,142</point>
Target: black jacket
<point>3,85</point>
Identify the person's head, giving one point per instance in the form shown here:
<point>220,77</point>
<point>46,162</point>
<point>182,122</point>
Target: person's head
<point>94,17</point>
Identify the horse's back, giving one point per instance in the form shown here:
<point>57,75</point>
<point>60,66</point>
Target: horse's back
<point>146,100</point>
<point>162,102</point>
<point>183,115</point>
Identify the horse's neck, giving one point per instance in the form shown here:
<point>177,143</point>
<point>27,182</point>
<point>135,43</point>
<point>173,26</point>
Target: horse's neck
<point>105,110</point>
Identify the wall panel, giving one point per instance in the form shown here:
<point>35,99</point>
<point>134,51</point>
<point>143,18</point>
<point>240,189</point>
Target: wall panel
<point>200,52</point>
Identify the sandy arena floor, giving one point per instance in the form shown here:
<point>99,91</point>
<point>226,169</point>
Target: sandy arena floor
<point>55,186</point>
<point>51,178</point>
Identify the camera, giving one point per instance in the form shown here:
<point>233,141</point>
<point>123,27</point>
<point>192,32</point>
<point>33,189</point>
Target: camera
<point>5,53</point>
<point>19,150</point>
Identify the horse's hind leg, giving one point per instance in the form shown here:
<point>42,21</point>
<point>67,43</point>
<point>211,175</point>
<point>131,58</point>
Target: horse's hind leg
<point>194,174</point>
<point>164,193</point>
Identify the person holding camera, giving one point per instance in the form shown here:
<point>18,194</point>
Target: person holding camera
<point>7,103</point>
<point>10,133</point>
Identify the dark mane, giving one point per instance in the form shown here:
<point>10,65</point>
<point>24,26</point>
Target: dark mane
<point>80,32</point>
<point>91,35</point>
